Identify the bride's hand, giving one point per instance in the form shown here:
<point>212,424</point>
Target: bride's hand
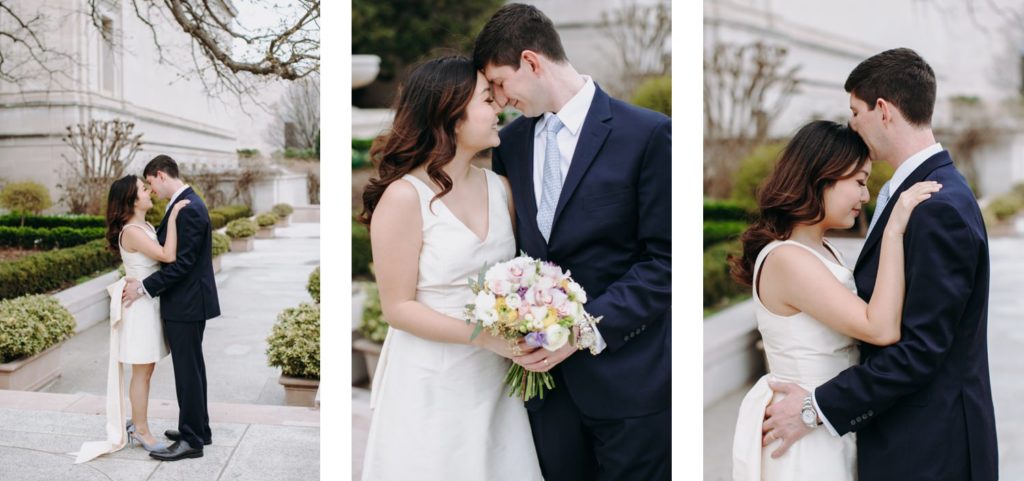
<point>908,200</point>
<point>177,207</point>
<point>502,346</point>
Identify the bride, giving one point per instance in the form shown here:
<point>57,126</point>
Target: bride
<point>137,335</point>
<point>440,411</point>
<point>805,298</point>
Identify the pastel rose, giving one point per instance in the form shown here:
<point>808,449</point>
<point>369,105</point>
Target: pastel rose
<point>556,337</point>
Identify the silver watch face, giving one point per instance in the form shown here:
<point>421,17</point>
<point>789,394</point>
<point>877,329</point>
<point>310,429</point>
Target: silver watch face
<point>808,417</point>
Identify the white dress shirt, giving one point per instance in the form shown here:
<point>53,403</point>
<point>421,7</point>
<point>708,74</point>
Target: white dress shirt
<point>572,115</point>
<point>902,172</point>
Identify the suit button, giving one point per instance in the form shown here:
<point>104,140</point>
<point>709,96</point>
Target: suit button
<point>643,327</point>
<point>871,413</point>
<point>625,338</point>
<point>852,422</point>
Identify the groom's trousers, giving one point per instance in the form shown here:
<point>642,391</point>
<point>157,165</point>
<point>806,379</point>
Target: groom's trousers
<point>574,447</point>
<point>185,340</point>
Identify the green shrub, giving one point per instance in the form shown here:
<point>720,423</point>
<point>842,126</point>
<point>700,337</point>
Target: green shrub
<point>241,228</point>
<point>362,144</point>
<point>655,94</point>
<point>156,213</point>
<point>232,212</point>
<point>1005,206</point>
<point>247,153</point>
<point>718,284</point>
<point>720,231</point>
<point>313,286</point>
<point>360,159</point>
<point>50,221</point>
<point>51,270</point>
<point>221,244</point>
<point>373,326</point>
<point>25,198</point>
<point>31,324</point>
<point>752,172</point>
<point>40,238</point>
<point>362,255</point>
<point>719,210</point>
<point>294,342</point>
<point>266,219</point>
<point>218,220</point>
<point>305,154</point>
<point>282,210</point>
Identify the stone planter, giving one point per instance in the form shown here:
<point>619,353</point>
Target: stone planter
<point>33,373</point>
<point>371,353</point>
<point>299,391</point>
<point>265,233</point>
<point>241,245</point>
<point>284,221</point>
<point>216,264</point>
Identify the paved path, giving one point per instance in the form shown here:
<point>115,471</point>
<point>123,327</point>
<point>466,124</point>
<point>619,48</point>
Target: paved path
<point>255,437</point>
<point>1006,342</point>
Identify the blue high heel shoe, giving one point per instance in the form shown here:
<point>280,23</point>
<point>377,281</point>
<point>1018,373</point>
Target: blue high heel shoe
<point>134,437</point>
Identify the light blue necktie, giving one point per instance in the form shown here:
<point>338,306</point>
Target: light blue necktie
<point>883,198</point>
<point>551,183</point>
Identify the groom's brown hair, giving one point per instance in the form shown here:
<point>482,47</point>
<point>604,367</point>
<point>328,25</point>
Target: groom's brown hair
<point>161,163</point>
<point>512,29</point>
<point>902,78</point>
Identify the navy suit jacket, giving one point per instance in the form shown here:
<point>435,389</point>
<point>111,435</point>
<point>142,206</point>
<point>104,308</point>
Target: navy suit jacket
<point>187,287</point>
<point>612,230</point>
<point>922,408</point>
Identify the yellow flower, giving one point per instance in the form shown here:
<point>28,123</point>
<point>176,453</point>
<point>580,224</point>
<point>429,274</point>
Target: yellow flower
<point>552,317</point>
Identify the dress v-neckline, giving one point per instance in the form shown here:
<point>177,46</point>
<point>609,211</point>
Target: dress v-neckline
<point>487,187</point>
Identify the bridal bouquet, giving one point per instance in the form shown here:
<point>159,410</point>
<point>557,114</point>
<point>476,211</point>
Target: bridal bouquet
<point>535,300</point>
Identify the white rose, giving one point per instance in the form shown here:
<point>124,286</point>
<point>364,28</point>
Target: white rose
<point>555,336</point>
<point>489,317</point>
<point>577,292</point>
<point>513,301</point>
<point>484,303</point>
<point>551,270</point>
<point>499,287</point>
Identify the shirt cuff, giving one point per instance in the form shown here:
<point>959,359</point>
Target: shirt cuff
<point>599,343</point>
<point>146,293</point>
<point>821,415</point>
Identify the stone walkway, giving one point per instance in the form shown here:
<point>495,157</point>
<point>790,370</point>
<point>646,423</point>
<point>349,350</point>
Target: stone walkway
<point>1006,342</point>
<point>256,437</point>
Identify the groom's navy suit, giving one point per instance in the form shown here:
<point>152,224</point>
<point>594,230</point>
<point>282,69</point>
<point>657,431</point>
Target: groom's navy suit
<point>922,408</point>
<point>608,416</point>
<point>188,297</point>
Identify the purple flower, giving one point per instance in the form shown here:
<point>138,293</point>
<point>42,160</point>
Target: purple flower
<point>536,339</point>
<point>522,291</point>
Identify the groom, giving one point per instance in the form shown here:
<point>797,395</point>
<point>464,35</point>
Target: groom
<point>591,178</point>
<point>188,297</point>
<point>921,408</point>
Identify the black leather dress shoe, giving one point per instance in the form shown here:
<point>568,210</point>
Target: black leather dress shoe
<point>178,450</point>
<point>174,435</point>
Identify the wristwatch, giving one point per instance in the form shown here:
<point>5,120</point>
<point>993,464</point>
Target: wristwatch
<point>808,415</point>
<point>587,339</point>
<point>141,290</point>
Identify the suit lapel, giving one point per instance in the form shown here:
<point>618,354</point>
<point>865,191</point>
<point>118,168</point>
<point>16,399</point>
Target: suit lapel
<point>592,136</point>
<point>934,162</point>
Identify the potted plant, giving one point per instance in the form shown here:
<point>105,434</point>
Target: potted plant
<point>32,330</point>
<point>294,346</point>
<point>221,246</point>
<point>373,329</point>
<point>241,231</point>
<point>266,222</point>
<point>284,214</point>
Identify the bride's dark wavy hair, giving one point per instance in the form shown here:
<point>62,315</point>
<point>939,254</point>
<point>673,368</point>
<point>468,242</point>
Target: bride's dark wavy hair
<point>819,155</point>
<point>124,192</point>
<point>429,105</point>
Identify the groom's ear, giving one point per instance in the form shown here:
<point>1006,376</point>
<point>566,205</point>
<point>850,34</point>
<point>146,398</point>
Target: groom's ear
<point>530,59</point>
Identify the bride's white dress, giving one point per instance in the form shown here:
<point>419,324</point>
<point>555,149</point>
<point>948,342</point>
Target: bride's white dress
<point>806,352</point>
<point>441,411</point>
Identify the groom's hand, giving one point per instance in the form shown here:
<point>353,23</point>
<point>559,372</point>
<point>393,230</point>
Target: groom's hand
<point>542,360</point>
<point>782,419</point>
<point>130,292</point>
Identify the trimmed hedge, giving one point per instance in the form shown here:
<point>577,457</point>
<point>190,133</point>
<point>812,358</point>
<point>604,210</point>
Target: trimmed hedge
<point>655,94</point>
<point>294,342</point>
<point>50,221</point>
<point>51,270</point>
<point>373,327</point>
<point>720,210</point>
<point>47,238</point>
<point>218,220</point>
<point>716,232</point>
<point>718,284</point>
<point>221,244</point>
<point>31,324</point>
<point>282,210</point>
<point>241,228</point>
<point>313,286</point>
<point>234,211</point>
<point>266,219</point>
<point>362,255</point>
